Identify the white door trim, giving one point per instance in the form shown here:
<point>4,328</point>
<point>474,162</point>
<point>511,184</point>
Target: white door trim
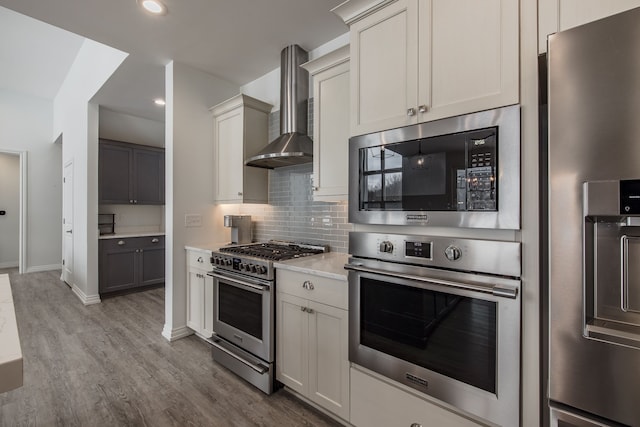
<point>22,232</point>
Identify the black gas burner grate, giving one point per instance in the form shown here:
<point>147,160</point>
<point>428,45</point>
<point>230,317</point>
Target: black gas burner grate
<point>273,251</point>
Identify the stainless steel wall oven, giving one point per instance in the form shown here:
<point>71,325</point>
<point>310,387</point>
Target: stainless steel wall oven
<point>462,171</point>
<point>440,315</point>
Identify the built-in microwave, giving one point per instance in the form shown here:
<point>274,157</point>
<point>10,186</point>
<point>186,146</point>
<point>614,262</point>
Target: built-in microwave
<point>462,171</point>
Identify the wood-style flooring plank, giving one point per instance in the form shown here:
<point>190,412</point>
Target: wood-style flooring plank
<point>108,365</point>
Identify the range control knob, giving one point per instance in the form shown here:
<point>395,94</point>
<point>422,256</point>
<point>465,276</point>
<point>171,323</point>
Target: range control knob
<point>262,270</point>
<point>386,247</point>
<point>453,253</point>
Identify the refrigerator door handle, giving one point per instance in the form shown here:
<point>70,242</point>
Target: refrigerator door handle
<point>624,273</point>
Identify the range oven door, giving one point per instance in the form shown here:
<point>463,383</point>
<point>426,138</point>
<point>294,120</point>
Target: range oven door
<point>453,336</point>
<point>243,313</point>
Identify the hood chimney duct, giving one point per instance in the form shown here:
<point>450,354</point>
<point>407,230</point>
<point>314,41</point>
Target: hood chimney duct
<point>293,146</point>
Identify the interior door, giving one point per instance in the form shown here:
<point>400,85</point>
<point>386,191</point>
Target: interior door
<point>67,226</point>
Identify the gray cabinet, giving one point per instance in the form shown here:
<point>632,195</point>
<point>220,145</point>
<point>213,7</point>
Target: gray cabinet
<point>130,174</point>
<point>130,263</point>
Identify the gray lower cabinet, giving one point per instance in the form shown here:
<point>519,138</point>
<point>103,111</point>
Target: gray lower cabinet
<point>130,263</point>
<point>130,173</point>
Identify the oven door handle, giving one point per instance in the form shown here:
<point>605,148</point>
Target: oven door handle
<point>217,344</point>
<point>496,290</point>
<point>238,283</point>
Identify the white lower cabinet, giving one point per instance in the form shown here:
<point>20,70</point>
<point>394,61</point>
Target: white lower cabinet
<point>199,294</point>
<point>375,402</point>
<point>312,339</point>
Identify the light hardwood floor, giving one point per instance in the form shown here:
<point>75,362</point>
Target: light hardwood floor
<point>108,365</point>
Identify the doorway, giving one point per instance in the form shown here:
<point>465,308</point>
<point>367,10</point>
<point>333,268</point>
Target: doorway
<point>13,184</point>
<point>67,223</point>
<point>9,210</point>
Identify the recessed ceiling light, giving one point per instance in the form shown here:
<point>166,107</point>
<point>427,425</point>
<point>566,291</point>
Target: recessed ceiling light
<point>155,7</point>
<point>159,101</point>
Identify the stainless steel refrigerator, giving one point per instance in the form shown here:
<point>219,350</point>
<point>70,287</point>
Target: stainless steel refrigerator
<point>594,223</point>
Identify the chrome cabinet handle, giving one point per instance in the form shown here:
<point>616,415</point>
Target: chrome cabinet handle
<point>308,285</point>
<point>155,240</point>
<point>131,201</point>
<point>411,112</point>
<point>239,193</point>
<point>303,308</point>
<point>200,260</point>
<point>121,242</point>
<point>422,108</point>
<point>310,310</point>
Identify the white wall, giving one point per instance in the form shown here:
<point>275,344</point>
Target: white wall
<point>125,127</point>
<point>77,120</point>
<point>10,203</point>
<point>25,125</point>
<point>189,179</point>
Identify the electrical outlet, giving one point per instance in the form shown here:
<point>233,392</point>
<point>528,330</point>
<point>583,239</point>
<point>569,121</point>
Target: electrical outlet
<point>193,220</point>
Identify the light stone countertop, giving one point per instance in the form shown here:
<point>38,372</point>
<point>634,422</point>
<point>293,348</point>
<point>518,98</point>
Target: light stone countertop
<point>330,265</point>
<point>205,247</point>
<point>131,234</point>
<point>10,351</point>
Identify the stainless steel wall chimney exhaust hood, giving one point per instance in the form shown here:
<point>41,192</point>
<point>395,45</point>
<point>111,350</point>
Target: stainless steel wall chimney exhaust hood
<point>293,146</point>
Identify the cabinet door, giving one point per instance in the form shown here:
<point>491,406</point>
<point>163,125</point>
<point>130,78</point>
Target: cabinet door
<point>331,134</point>
<point>329,358</point>
<point>115,166</point>
<point>384,80</point>
<point>468,56</point>
<point>195,297</point>
<point>148,178</point>
<point>292,359</point>
<point>119,266</point>
<point>207,304</point>
<point>151,266</point>
<point>228,134</point>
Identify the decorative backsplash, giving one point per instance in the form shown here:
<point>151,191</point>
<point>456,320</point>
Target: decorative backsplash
<point>292,214</point>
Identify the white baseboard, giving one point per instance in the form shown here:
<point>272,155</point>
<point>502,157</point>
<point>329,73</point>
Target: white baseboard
<point>9,264</point>
<point>86,299</point>
<point>40,268</point>
<point>172,334</point>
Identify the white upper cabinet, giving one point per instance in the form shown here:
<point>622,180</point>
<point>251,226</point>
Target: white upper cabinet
<point>240,129</point>
<point>330,75</point>
<point>419,60</point>
<point>559,15</point>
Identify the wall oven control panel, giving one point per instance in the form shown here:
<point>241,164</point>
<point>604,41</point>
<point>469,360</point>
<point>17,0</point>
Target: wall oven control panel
<point>481,256</point>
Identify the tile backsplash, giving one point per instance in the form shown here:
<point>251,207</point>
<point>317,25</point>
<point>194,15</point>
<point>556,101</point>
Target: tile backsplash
<point>292,214</point>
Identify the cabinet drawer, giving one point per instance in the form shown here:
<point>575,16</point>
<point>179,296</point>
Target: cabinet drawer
<point>199,259</point>
<point>377,403</point>
<point>126,243</point>
<point>314,288</point>
<point>150,242</point>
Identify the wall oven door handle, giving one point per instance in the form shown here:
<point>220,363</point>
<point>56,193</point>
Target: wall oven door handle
<point>256,367</point>
<point>496,290</point>
<point>238,283</point>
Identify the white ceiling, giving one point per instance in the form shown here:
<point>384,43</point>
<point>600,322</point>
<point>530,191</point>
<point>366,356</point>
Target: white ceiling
<point>237,40</point>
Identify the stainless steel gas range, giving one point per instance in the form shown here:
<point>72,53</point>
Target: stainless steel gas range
<point>243,307</point>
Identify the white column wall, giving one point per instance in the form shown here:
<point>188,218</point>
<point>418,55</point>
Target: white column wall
<point>76,119</point>
<point>189,179</point>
